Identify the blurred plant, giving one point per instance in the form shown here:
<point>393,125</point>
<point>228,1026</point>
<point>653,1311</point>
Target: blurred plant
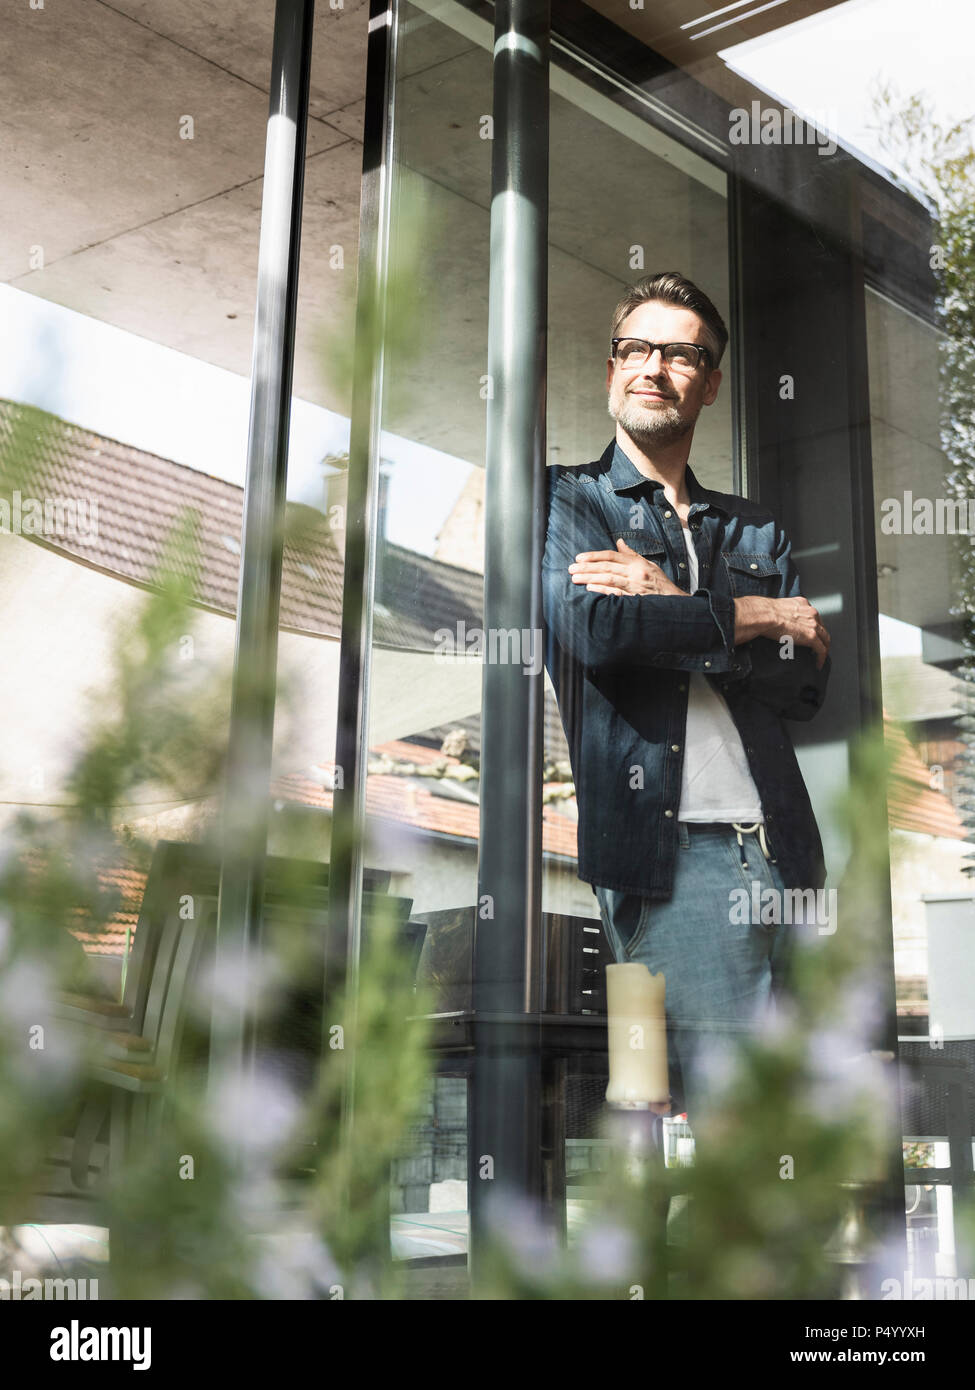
<point>806,1107</point>
<point>251,1184</point>
<point>940,160</point>
<point>385,1061</point>
<point>394,314</point>
<point>919,1154</point>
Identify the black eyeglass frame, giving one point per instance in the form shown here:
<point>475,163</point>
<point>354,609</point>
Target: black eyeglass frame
<point>699,348</point>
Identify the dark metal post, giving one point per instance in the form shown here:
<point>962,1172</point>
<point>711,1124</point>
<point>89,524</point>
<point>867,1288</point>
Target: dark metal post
<point>244,843</point>
<point>505,1131</point>
<point>800,294</point>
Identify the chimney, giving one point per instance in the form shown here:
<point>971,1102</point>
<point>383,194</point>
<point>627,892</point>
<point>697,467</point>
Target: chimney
<point>336,497</point>
<point>382,503</point>
<point>336,506</point>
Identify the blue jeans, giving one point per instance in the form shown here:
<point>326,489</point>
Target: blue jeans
<point>721,972</point>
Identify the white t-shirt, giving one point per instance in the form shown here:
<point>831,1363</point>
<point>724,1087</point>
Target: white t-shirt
<point>716,784</point>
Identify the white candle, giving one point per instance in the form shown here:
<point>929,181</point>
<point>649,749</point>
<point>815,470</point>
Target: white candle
<point>637,1037</point>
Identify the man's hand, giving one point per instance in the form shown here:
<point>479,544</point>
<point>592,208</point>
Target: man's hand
<point>782,617</point>
<point>622,572</point>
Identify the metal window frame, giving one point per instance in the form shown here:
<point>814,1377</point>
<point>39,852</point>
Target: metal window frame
<point>362,502</point>
<point>506,965</point>
<point>245,809</point>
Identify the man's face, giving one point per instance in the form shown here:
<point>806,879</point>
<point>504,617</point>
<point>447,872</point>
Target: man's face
<point>655,403</point>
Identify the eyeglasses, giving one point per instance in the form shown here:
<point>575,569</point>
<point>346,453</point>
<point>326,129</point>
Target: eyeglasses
<point>683,357</point>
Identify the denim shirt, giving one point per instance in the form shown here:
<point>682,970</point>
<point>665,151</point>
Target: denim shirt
<point>620,670</point>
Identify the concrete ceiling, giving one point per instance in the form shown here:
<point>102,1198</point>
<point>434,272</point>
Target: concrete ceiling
<point>615,185</point>
<point>681,32</point>
<point>158,234</point>
<point>149,231</point>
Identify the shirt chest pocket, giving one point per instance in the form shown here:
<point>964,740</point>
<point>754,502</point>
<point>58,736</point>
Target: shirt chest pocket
<point>644,544</point>
<point>653,548</point>
<point>751,572</point>
<point>641,541</point>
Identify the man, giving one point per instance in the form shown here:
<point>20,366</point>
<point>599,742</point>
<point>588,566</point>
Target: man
<point>678,643</point>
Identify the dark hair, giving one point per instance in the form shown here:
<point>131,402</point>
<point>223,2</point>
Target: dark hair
<point>669,287</point>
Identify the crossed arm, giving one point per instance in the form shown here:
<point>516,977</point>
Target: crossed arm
<point>625,574</point>
<point>589,595</point>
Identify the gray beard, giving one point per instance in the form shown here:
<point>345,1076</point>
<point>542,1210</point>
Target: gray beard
<point>651,426</point>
